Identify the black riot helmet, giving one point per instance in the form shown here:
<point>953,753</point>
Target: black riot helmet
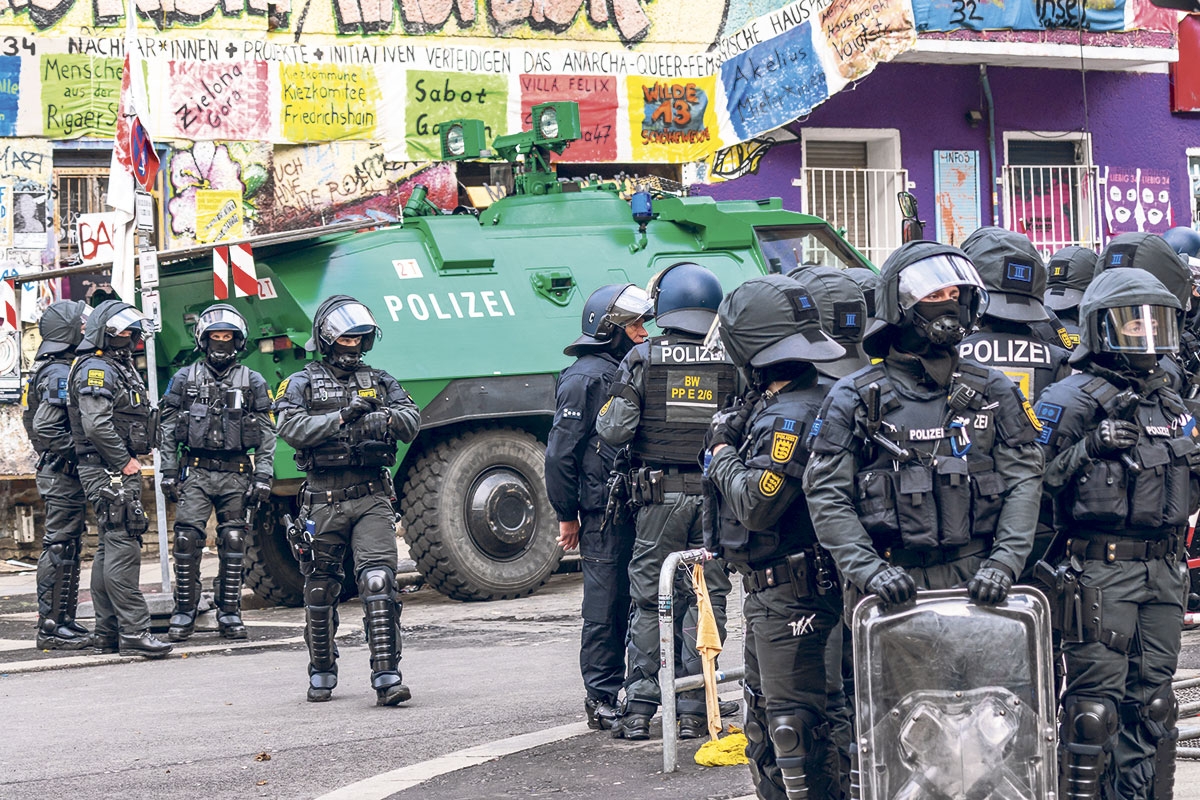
<point>1184,241</point>
<point>607,311</point>
<point>685,297</point>
<point>1150,252</point>
<point>1012,272</point>
<point>109,320</point>
<point>868,281</point>
<point>61,327</point>
<point>1069,272</point>
<point>220,317</point>
<point>342,315</point>
<point>770,320</point>
<point>1127,313</point>
<point>843,313</point>
<point>912,272</point>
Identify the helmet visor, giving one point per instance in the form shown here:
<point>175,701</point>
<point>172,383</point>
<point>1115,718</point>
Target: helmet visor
<point>924,277</point>
<point>220,319</point>
<point>123,320</point>
<point>630,306</point>
<point>1140,329</point>
<point>350,319</point>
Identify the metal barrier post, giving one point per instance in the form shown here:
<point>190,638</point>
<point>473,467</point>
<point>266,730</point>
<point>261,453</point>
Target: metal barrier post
<point>668,684</point>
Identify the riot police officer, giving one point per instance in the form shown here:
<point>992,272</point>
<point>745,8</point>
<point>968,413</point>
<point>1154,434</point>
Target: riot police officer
<point>1186,242</point>
<point>215,412</point>
<point>660,405</point>
<point>578,464</point>
<point>1069,272</point>
<point>924,469</point>
<point>111,419</point>
<point>344,419</point>
<point>868,282</point>
<point>1118,455</point>
<point>770,327</point>
<point>49,429</point>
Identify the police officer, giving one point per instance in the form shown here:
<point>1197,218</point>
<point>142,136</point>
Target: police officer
<point>1118,455</point>
<point>215,411</point>
<point>868,282</point>
<point>1069,272</point>
<point>1186,242</point>
<point>49,429</point>
<point>770,327</point>
<point>660,405</point>
<point>925,471</point>
<point>578,464</point>
<point>344,419</point>
<point>111,419</point>
<point>1015,279</point>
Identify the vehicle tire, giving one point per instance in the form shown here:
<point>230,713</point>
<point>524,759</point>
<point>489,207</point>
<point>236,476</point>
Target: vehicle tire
<point>477,518</point>
<point>271,569</point>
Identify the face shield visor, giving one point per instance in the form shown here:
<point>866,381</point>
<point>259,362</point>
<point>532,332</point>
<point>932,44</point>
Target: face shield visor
<point>127,319</point>
<point>221,319</point>
<point>630,306</point>
<point>349,319</point>
<point>1140,329</point>
<point>923,278</point>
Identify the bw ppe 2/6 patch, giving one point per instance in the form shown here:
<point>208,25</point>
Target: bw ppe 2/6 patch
<point>95,377</point>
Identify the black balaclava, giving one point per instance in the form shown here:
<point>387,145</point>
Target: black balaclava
<point>620,344</point>
<point>346,357</point>
<point>220,355</point>
<point>120,345</point>
<point>933,337</point>
<point>794,372</point>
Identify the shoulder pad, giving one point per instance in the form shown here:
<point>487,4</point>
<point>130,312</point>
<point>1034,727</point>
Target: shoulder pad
<point>292,390</point>
<point>1016,421</point>
<point>971,368</point>
<point>833,429</point>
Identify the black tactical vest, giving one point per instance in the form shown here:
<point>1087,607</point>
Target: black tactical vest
<point>1151,501</point>
<point>946,490</point>
<point>1029,363</point>
<point>684,387</point>
<point>352,447</point>
<point>217,413</point>
<point>132,412</point>
<point>774,441</point>
<point>54,373</point>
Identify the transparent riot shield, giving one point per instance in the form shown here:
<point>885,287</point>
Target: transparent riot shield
<point>954,700</point>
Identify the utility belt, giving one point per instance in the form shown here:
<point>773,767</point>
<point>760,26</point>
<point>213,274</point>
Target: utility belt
<point>910,559</point>
<point>1122,548</point>
<point>63,465</point>
<point>239,464</point>
<point>649,487</point>
<point>354,492</point>
<point>91,459</point>
<point>805,571</point>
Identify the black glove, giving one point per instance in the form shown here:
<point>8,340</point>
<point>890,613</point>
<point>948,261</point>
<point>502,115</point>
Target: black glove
<point>893,585</point>
<point>358,406</point>
<point>170,485</point>
<point>375,425</point>
<point>990,585</point>
<point>259,491</point>
<point>1110,438</point>
<point>729,427</point>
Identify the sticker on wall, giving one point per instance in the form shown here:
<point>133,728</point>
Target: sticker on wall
<point>672,120</point>
<point>1137,199</point>
<point>218,215</point>
<point>956,191</point>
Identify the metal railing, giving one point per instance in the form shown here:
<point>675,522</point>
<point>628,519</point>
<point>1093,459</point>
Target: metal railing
<point>669,685</point>
<point>1055,206</point>
<point>862,201</point>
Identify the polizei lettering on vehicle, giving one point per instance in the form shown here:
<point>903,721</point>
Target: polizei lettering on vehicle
<point>1005,351</point>
<point>684,354</point>
<point>451,305</point>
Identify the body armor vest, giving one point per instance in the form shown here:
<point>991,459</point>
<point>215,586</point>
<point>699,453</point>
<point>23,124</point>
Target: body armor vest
<point>774,441</point>
<point>132,413</point>
<point>945,490</point>
<point>353,446</point>
<point>1152,501</point>
<point>684,387</point>
<point>217,414</point>
<point>54,373</point>
<point>1029,363</point>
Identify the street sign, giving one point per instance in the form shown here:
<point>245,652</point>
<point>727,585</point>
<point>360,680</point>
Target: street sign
<point>141,153</point>
<point>152,308</point>
<point>148,259</point>
<point>143,211</point>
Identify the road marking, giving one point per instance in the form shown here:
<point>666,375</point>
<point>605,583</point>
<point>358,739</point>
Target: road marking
<point>95,660</point>
<point>386,784</point>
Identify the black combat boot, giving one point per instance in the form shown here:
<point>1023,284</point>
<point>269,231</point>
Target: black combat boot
<point>144,644</point>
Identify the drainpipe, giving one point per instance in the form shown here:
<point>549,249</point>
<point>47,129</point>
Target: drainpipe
<point>991,109</point>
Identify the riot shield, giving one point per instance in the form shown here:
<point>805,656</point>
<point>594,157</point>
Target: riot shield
<point>955,700</point>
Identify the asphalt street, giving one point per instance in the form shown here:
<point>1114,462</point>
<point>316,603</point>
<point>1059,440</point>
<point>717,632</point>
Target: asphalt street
<point>496,713</point>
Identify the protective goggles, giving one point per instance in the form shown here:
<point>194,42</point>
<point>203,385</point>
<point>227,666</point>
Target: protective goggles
<point>929,275</point>
<point>1140,329</point>
<point>220,319</point>
<point>631,305</point>
<point>128,318</point>
<point>349,319</point>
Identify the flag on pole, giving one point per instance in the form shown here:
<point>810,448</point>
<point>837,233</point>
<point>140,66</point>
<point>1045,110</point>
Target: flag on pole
<point>221,272</point>
<point>245,279</point>
<point>131,158</point>
<point>8,306</point>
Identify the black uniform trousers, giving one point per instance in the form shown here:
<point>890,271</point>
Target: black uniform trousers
<point>605,560</point>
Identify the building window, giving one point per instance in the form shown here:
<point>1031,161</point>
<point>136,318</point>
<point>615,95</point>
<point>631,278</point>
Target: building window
<point>1193,155</point>
<point>1050,193</point>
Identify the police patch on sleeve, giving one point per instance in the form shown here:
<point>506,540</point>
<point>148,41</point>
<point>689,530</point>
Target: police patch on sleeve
<point>95,377</point>
<point>282,388</point>
<point>604,408</point>
<point>770,483</point>
<point>1033,420</point>
<point>369,393</point>
<point>572,413</point>
<point>783,445</point>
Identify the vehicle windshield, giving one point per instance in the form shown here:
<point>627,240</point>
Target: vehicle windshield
<point>786,247</point>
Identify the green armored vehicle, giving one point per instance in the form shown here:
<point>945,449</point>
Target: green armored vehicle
<point>475,311</point>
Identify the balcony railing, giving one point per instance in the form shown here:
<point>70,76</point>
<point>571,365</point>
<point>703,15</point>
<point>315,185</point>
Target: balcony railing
<point>862,201</point>
<point>1055,206</point>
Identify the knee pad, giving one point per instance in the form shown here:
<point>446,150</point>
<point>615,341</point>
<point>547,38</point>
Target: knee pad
<point>1089,722</point>
<point>188,540</point>
<point>374,581</point>
<point>231,539</point>
<point>322,590</point>
<point>794,732</point>
<point>1160,714</point>
<point>58,553</point>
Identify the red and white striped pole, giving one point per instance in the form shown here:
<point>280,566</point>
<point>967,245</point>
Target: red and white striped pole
<point>221,272</point>
<point>245,279</point>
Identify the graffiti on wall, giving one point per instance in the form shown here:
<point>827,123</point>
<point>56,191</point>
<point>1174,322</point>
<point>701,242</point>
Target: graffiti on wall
<point>1137,199</point>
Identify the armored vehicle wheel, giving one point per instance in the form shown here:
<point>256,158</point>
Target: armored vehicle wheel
<point>271,569</point>
<point>477,518</point>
